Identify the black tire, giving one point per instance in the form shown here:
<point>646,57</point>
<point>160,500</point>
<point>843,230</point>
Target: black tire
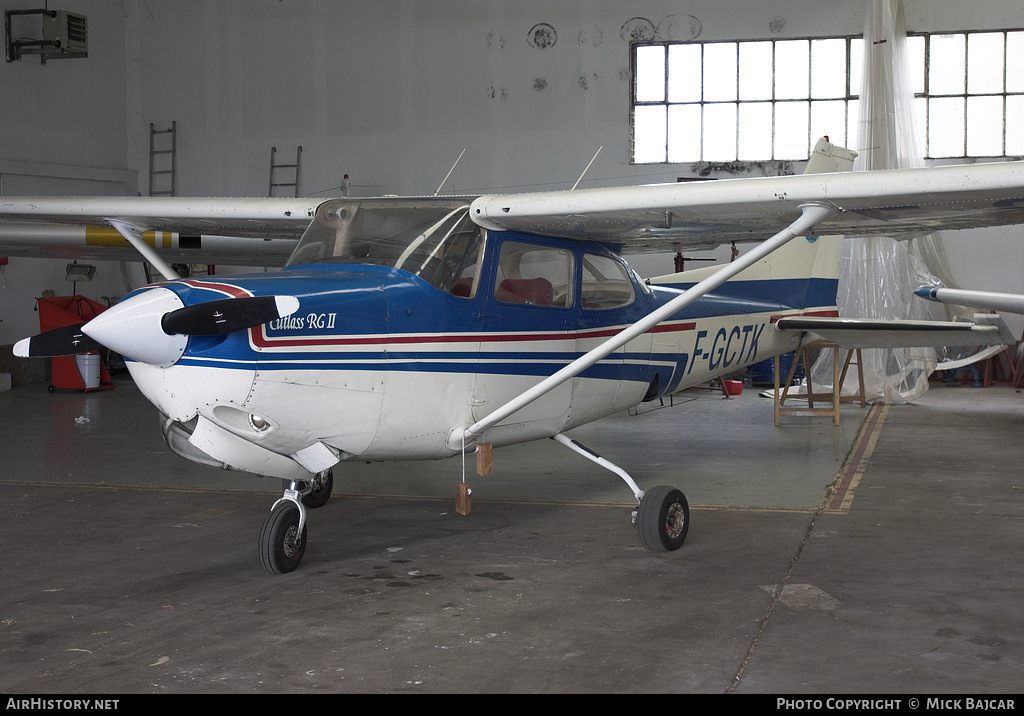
<point>280,553</point>
<point>320,490</point>
<point>663,518</point>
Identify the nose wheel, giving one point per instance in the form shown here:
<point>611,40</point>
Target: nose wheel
<point>283,535</point>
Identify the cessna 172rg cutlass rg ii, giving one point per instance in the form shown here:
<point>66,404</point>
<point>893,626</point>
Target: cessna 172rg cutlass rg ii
<point>405,328</point>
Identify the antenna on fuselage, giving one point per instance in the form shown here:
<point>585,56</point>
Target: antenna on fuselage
<point>587,169</point>
<point>436,191</point>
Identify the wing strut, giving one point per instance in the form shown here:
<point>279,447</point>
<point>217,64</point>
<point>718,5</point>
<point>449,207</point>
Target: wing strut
<point>810,216</point>
<point>135,239</point>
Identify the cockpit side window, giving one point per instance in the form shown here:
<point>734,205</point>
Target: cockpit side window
<point>534,275</point>
<point>606,283</point>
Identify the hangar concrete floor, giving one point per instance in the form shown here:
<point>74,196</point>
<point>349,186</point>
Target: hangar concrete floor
<point>880,556</point>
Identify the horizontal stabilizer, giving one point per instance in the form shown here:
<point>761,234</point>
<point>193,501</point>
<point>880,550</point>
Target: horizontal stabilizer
<point>869,333</point>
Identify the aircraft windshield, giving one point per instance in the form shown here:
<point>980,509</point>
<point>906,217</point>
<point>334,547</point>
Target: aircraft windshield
<point>431,238</point>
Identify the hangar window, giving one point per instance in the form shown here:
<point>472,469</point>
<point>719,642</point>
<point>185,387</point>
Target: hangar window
<point>747,101</point>
<point>772,99</point>
<point>970,93</point>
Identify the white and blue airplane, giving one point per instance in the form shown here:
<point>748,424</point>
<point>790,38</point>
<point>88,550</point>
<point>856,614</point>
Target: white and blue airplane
<point>425,328</point>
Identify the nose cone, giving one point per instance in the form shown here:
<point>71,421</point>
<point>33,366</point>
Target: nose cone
<point>132,328</point>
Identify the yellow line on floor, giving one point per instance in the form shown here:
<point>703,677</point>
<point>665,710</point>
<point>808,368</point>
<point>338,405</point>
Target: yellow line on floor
<point>840,495</point>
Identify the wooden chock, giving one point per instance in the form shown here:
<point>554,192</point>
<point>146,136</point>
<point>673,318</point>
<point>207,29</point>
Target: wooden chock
<point>463,498</point>
<point>483,459</point>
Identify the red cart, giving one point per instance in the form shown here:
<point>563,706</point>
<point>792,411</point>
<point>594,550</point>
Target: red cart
<point>82,372</point>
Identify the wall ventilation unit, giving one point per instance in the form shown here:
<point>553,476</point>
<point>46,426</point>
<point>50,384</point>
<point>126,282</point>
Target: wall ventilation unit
<point>46,34</point>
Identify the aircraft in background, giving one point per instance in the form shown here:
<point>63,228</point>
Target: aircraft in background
<point>1009,302</point>
<point>257,231</point>
<point>425,328</point>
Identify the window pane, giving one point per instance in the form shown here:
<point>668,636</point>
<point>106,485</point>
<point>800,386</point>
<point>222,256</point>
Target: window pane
<point>650,73</point>
<point>915,61</point>
<point>829,119</point>
<point>756,71</point>
<point>720,71</point>
<point>1015,119</point>
<point>755,131</point>
<point>792,65</point>
<point>720,132</point>
<point>791,130</point>
<point>856,65</point>
<point>853,124</point>
<point>921,107</point>
<point>984,126</point>
<point>946,65</point>
<point>649,134</point>
<point>605,283</point>
<point>828,68</point>
<point>1015,62</point>
<point>684,73</point>
<point>534,275</point>
<point>946,127</point>
<point>985,63</point>
<point>684,133</point>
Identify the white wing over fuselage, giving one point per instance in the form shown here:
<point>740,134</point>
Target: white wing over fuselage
<point>898,203</point>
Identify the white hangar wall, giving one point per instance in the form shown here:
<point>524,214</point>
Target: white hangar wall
<point>64,128</point>
<point>389,92</point>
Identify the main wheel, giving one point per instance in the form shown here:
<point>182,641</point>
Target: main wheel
<point>663,518</point>
<point>281,547</point>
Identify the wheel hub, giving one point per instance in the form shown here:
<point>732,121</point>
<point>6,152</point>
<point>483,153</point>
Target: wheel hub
<point>290,543</point>
<point>675,520</point>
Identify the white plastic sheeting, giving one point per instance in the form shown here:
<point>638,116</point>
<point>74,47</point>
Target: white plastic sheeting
<point>879,274</point>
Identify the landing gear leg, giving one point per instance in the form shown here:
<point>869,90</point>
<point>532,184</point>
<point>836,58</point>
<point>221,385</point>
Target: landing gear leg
<point>662,516</point>
<point>317,491</point>
<point>283,535</point>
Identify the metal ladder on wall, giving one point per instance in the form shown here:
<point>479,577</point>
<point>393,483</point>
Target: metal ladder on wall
<point>276,169</point>
<point>167,159</point>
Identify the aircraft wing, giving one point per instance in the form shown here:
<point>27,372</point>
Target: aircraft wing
<point>244,231</point>
<point>899,203</point>
<point>669,217</point>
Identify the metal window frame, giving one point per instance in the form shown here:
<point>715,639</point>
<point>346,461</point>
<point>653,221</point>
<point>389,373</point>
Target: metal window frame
<point>774,101</point>
<point>851,93</point>
<point>927,96</point>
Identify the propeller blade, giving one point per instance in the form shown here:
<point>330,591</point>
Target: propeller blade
<point>66,341</point>
<point>216,318</point>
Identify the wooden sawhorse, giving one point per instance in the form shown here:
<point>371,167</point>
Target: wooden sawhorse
<point>834,398</point>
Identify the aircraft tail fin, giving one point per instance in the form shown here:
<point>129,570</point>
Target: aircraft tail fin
<point>827,157</point>
<point>804,273</point>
